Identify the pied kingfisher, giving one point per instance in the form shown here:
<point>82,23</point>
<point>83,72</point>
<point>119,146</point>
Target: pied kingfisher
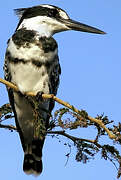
<point>32,64</point>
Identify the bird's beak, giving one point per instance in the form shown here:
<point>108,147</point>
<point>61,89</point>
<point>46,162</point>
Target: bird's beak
<point>77,26</point>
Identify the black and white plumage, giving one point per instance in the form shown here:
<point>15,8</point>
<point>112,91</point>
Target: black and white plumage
<point>31,62</point>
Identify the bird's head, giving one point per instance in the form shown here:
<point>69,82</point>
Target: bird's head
<point>48,20</point>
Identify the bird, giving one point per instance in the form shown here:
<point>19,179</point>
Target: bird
<point>32,64</point>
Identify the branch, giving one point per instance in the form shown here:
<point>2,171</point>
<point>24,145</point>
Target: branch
<point>73,138</point>
<point>10,127</point>
<point>51,96</point>
<point>86,148</point>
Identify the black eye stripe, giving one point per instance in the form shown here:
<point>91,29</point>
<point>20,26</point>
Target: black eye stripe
<point>53,13</point>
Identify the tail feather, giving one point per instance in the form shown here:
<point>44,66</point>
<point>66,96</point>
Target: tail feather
<point>32,166</point>
<point>32,158</point>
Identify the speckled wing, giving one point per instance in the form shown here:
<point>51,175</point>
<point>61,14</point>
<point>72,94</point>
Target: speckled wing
<point>54,81</point>
<point>7,76</point>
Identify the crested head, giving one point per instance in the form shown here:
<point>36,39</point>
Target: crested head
<point>43,18</point>
<point>41,10</point>
<point>48,19</point>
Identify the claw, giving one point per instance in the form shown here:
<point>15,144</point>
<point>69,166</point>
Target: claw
<point>39,96</point>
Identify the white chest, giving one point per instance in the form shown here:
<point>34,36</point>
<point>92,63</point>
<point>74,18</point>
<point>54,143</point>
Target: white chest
<point>27,76</point>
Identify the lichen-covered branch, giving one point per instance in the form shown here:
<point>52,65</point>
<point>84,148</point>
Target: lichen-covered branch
<point>86,148</point>
<point>51,96</point>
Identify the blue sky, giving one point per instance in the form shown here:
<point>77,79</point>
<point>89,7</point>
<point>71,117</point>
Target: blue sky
<point>91,80</point>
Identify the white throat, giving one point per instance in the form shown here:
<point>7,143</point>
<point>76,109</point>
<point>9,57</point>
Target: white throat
<point>37,24</point>
<point>44,26</point>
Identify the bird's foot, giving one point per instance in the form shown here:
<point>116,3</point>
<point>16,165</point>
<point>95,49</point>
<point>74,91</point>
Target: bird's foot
<point>39,96</point>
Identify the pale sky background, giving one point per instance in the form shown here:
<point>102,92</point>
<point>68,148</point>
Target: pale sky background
<point>91,80</point>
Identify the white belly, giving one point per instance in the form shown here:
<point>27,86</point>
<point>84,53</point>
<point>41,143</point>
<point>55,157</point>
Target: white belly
<point>28,77</point>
